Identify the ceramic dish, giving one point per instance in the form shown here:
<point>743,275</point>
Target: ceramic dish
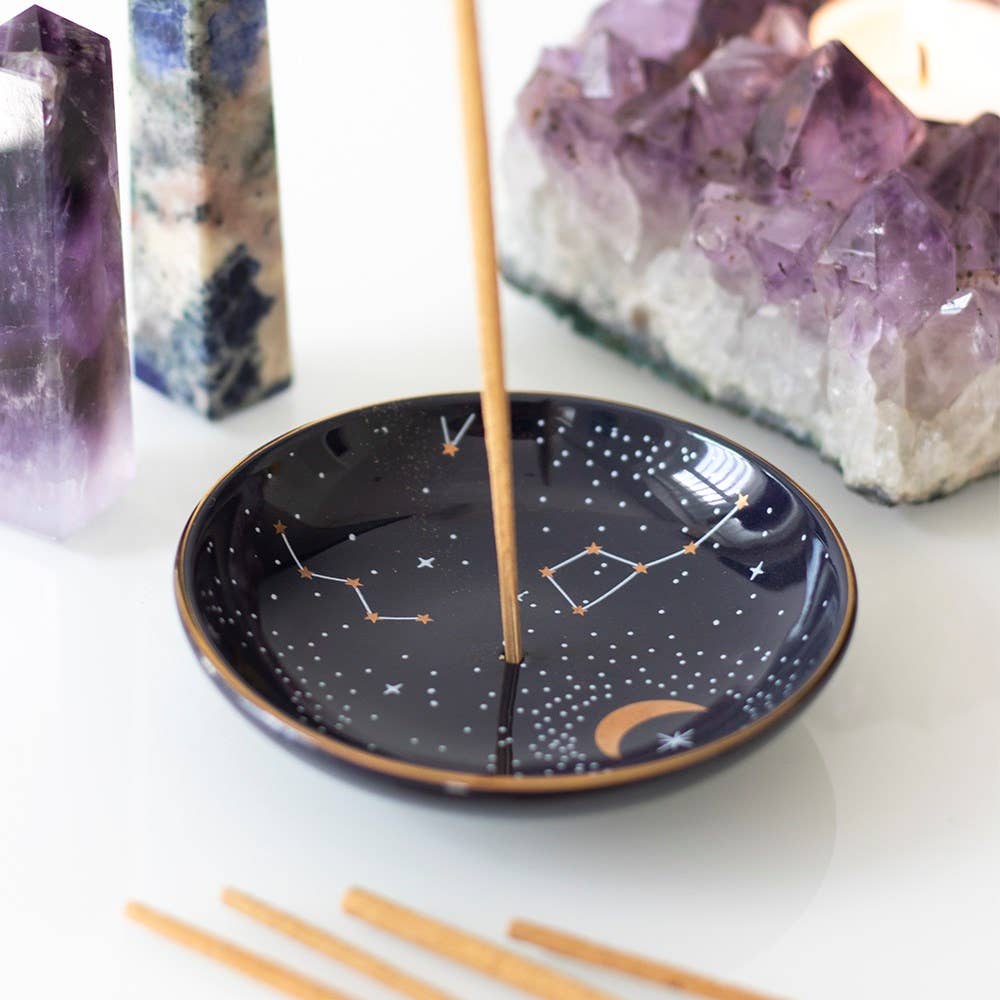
<point>680,596</point>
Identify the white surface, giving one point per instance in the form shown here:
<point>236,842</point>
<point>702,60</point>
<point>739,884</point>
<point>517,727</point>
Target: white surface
<point>856,855</point>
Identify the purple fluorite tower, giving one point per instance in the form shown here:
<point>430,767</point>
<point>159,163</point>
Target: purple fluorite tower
<point>65,415</point>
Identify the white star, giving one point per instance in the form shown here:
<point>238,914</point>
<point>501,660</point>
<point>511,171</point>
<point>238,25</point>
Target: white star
<point>757,570</point>
<point>426,563</point>
<point>393,688</point>
<point>521,596</point>
<point>678,741</point>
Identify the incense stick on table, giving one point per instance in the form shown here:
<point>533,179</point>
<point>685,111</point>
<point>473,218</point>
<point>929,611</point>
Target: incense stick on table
<point>282,979</point>
<point>334,947</point>
<point>495,403</point>
<point>491,960</point>
<point>635,965</point>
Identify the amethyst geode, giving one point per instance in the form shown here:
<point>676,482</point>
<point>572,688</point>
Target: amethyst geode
<point>771,224</point>
<point>65,414</point>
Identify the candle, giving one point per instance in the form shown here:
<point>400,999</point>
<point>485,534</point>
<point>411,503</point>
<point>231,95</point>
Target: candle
<point>937,56</point>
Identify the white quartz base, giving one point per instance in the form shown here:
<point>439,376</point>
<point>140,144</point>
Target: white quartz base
<point>676,313</point>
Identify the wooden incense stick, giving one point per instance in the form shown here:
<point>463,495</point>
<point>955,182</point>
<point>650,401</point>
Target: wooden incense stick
<point>635,965</point>
<point>263,970</point>
<point>483,956</point>
<point>334,947</point>
<point>495,403</point>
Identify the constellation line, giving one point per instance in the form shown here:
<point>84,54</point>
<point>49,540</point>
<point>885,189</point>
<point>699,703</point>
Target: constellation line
<point>465,427</point>
<point>569,599</point>
<point>621,559</point>
<point>288,545</point>
<point>572,559</point>
<point>354,583</point>
<point>450,444</point>
<point>638,568</point>
<point>606,595</point>
<point>660,562</point>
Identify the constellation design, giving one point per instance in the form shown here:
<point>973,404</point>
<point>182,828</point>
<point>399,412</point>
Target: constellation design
<point>354,583</point>
<point>450,444</point>
<point>637,567</point>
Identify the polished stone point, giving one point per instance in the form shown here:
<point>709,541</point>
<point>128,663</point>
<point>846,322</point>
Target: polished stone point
<point>65,413</point>
<point>210,327</point>
<point>773,225</point>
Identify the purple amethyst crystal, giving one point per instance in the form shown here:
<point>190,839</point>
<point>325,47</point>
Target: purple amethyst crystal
<point>959,165</point>
<point>977,247</point>
<point>623,139</point>
<point>785,28</point>
<point>580,134</point>
<point>831,129</point>
<point>960,341</point>
<point>689,162</point>
<point>609,71</point>
<point>762,254</point>
<point>656,30</point>
<point>704,119</point>
<point>667,29</point>
<point>894,252</point>
<point>966,172</point>
<point>65,415</point>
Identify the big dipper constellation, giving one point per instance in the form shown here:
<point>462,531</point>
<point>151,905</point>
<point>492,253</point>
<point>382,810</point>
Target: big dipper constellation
<point>353,582</point>
<point>637,567</point>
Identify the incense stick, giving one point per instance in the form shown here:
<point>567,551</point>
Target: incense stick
<point>334,947</point>
<point>635,965</point>
<point>491,960</point>
<point>495,403</point>
<point>255,966</point>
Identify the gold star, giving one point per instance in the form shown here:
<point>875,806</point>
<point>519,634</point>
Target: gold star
<point>743,501</point>
<point>639,568</point>
<point>424,619</point>
<point>353,582</point>
<point>305,572</point>
<point>279,528</point>
<point>450,449</point>
<point>579,610</point>
<point>691,548</point>
<point>372,617</point>
<point>546,572</point>
<point>592,549</point>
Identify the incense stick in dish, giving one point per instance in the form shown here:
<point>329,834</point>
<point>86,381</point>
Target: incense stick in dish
<point>491,960</point>
<point>495,402</point>
<point>263,970</point>
<point>634,965</point>
<point>342,951</point>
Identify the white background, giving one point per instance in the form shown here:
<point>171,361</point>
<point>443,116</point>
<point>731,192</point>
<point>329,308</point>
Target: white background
<point>856,855</point>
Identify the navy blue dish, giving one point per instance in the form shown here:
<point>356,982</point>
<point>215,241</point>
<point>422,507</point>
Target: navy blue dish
<point>680,597</point>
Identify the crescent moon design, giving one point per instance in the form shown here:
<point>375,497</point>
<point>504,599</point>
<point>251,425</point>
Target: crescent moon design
<point>616,725</point>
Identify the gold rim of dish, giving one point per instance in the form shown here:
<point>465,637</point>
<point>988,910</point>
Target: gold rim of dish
<point>467,781</point>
